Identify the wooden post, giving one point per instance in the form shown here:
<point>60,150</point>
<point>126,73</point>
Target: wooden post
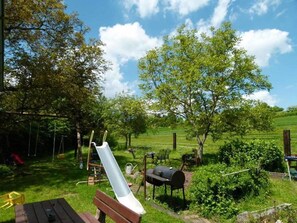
<point>287,142</point>
<point>144,176</point>
<point>174,141</point>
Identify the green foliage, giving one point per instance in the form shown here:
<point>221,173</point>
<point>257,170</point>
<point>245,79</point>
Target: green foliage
<point>260,153</point>
<point>5,171</point>
<point>249,116</point>
<point>50,65</point>
<point>292,109</point>
<point>277,109</point>
<point>215,193</point>
<point>202,79</point>
<point>126,116</point>
<point>112,141</point>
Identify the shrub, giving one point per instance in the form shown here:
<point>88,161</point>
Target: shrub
<point>263,154</point>
<point>214,191</point>
<point>5,171</point>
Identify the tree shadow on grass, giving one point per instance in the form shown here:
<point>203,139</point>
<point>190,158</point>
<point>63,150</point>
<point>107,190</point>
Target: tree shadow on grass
<point>175,202</point>
<point>45,173</point>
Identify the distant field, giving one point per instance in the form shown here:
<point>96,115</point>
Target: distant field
<point>163,138</point>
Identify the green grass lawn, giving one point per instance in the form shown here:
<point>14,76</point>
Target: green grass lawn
<point>43,179</point>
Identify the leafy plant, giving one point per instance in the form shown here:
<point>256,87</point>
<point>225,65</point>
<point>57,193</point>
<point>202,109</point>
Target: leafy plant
<point>201,79</point>
<point>5,171</point>
<point>216,188</point>
<point>261,153</point>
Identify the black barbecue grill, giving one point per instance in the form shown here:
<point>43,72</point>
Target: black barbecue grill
<point>168,176</point>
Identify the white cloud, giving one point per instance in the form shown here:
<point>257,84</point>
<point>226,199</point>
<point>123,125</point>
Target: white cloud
<point>281,13</point>
<point>113,81</point>
<point>126,42</point>
<point>217,18</point>
<point>122,44</point>
<point>263,44</point>
<point>261,6</point>
<point>145,8</point>
<point>184,7</point>
<point>203,26</point>
<point>220,13</point>
<point>263,96</point>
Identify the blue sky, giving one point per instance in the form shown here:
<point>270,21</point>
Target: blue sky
<point>129,28</point>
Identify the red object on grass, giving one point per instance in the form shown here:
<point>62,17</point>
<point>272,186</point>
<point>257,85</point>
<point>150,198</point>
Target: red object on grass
<point>17,159</point>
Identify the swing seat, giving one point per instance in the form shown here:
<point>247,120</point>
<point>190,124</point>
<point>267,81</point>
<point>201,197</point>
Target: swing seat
<point>10,199</point>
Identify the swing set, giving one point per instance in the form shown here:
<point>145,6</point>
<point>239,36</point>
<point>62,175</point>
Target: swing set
<point>33,151</point>
<point>61,154</point>
<point>36,140</point>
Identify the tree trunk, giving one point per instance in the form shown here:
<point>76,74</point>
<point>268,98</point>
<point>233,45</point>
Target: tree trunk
<point>129,140</point>
<point>199,154</point>
<point>126,143</point>
<point>78,139</point>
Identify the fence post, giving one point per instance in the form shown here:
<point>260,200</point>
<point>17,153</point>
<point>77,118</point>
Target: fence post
<point>174,141</point>
<point>287,142</point>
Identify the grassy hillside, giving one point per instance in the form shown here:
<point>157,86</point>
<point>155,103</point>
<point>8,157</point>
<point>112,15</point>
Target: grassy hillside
<point>163,137</point>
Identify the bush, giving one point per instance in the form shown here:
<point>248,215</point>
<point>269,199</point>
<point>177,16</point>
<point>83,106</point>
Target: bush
<point>5,171</point>
<point>214,190</point>
<point>260,153</point>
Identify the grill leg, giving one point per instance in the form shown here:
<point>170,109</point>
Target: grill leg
<point>184,196</point>
<point>153,191</point>
<point>171,200</point>
<point>165,189</point>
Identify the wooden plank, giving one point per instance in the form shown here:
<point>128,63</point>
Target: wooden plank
<point>112,213</point>
<point>88,217</point>
<point>114,204</point>
<point>39,213</point>
<point>30,212</point>
<point>59,209</point>
<point>114,209</point>
<point>48,207</point>
<point>20,215</point>
<point>72,215</point>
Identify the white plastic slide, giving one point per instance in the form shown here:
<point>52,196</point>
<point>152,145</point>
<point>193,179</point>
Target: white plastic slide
<point>118,182</point>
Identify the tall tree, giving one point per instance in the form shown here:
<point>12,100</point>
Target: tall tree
<point>78,85</point>
<point>203,78</point>
<point>36,32</point>
<point>126,116</point>
<point>50,66</point>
